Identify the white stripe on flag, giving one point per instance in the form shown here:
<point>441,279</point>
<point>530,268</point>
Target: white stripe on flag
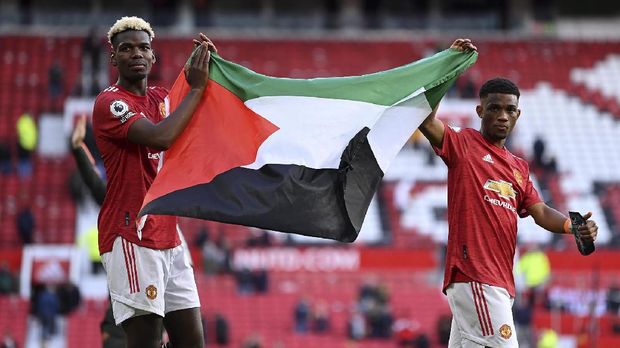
<point>396,126</point>
<point>315,131</point>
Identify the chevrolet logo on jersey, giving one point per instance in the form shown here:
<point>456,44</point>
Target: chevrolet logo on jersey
<point>503,188</point>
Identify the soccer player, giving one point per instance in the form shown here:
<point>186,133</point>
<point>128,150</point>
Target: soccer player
<point>488,188</point>
<point>151,282</point>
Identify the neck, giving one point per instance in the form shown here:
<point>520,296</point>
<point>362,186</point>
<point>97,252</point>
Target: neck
<point>136,87</point>
<point>497,142</point>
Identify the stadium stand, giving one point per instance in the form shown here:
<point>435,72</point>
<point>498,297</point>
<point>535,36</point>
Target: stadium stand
<point>568,86</point>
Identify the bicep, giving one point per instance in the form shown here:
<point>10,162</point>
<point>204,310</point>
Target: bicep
<point>537,211</point>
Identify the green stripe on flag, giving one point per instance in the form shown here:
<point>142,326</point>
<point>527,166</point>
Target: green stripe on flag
<point>435,74</point>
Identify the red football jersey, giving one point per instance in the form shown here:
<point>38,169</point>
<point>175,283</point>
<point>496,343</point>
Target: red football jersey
<point>130,169</point>
<point>488,188</point>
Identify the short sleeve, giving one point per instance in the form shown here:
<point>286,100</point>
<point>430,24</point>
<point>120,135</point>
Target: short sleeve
<point>530,197</point>
<point>452,146</point>
<point>112,117</point>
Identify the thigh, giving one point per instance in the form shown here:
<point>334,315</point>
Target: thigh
<point>457,340</point>
<point>455,335</point>
<point>136,278</point>
<point>143,331</point>
<point>184,328</point>
<point>181,291</point>
<point>483,314</point>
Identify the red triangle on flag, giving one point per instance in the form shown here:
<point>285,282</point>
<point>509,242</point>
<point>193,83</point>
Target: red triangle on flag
<point>222,134</point>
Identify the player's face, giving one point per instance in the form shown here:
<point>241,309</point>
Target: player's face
<point>499,113</point>
<point>132,55</point>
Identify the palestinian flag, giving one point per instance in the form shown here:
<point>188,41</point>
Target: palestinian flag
<point>294,155</point>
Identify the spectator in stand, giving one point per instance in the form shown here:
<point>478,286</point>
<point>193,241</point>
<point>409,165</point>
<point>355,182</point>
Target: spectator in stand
<point>25,224</point>
<point>259,238</point>
<point>89,242</point>
<point>302,316</point>
<point>357,326</point>
<point>613,299</point>
<point>539,152</point>
<point>222,332</point>
<point>69,298</point>
<point>444,324</point>
<point>548,339</point>
<point>202,237</point>
<point>224,244</point>
<point>8,283</point>
<point>405,332</point>
<point>47,310</point>
<point>212,257</point>
<point>534,265</point>
<point>380,321</point>
<point>466,88</point>
<point>260,279</point>
<point>320,317</point>
<point>522,312</point>
<point>540,161</point>
<point>55,77</point>
<point>5,159</point>
<point>245,283</point>
<point>8,341</point>
<point>253,341</point>
<point>91,49</point>
<point>27,136</point>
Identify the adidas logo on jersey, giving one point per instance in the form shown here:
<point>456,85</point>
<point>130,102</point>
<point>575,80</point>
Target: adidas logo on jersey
<point>487,158</point>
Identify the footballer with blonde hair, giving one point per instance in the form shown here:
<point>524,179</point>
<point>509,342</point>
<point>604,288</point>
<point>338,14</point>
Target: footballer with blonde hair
<point>150,277</point>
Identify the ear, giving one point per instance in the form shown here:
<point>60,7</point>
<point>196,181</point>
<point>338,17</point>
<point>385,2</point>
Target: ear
<point>518,113</point>
<point>479,110</point>
<point>154,58</point>
<point>113,58</point>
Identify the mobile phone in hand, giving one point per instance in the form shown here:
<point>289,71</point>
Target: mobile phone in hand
<point>584,247</point>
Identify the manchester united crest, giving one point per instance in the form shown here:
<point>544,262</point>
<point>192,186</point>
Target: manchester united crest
<point>505,331</point>
<point>518,176</point>
<point>151,292</point>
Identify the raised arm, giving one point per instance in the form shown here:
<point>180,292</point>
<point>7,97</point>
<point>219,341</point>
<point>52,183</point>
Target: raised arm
<point>161,135</point>
<point>556,222</point>
<point>432,128</point>
<point>85,162</point>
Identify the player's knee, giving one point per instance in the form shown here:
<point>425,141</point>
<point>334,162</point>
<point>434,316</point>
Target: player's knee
<point>194,340</point>
<point>134,340</point>
<point>143,331</point>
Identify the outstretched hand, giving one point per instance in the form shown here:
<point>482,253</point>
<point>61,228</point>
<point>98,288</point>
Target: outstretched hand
<point>197,67</point>
<point>589,231</point>
<point>463,45</point>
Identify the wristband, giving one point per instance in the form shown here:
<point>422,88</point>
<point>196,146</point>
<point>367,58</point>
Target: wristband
<point>568,226</point>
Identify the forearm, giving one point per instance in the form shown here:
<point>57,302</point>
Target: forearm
<point>173,125</point>
<point>90,176</point>
<point>163,134</point>
<point>551,220</point>
<point>433,129</point>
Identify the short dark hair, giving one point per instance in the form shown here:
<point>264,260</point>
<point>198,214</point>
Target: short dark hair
<point>499,85</point>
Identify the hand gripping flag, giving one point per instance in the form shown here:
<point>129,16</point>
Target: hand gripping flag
<point>295,155</point>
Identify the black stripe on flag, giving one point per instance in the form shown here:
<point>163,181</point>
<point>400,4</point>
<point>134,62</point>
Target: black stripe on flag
<point>326,203</point>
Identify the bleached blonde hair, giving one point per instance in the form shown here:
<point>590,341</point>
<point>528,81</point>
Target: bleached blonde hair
<point>130,23</point>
